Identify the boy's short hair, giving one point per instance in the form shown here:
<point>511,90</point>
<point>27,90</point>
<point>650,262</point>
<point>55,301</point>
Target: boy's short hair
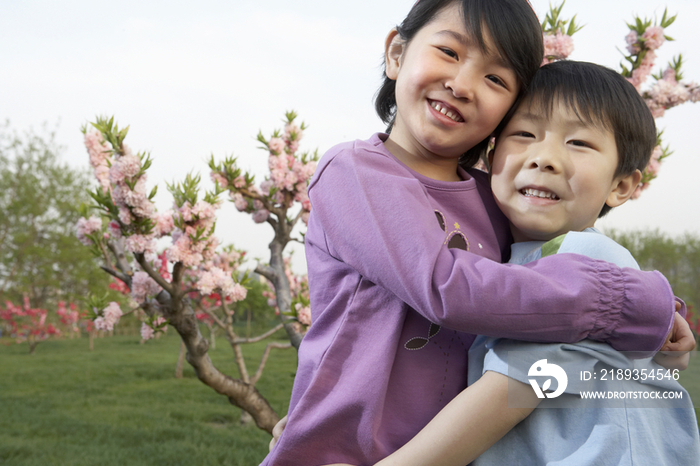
<point>601,97</point>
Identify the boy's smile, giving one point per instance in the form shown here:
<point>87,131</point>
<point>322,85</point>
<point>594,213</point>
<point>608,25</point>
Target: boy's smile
<point>552,175</point>
<point>449,95</point>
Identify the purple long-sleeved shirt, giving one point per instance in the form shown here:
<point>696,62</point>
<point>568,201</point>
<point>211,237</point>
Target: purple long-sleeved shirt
<point>396,261</point>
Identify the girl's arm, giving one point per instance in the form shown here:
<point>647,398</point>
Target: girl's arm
<point>376,218</point>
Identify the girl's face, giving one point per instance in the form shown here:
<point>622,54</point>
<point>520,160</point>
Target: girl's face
<point>449,95</point>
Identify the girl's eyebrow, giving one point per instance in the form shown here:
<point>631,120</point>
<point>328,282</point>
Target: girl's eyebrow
<point>469,42</point>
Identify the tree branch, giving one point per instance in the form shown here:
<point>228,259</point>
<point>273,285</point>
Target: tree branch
<point>263,360</point>
<point>260,337</point>
<point>117,249</point>
<point>141,259</point>
<point>126,279</point>
<point>267,272</point>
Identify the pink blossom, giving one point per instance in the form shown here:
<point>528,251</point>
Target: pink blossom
<point>653,37</point>
<point>217,278</point>
<point>158,321</point>
<point>109,318</point>
<point>219,179</point>
<point>292,131</point>
<point>143,286</point>
<point>670,75</point>
<point>239,182</point>
<point>265,187</point>
<point>186,212</point>
<point>146,331</point>
<point>139,244</point>
<point>165,223</point>
<point>259,216</point>
<point>279,162</point>
<point>130,165</point>
<point>125,215</point>
<point>666,94</point>
<point>97,148</point>
<point>239,201</point>
<point>115,174</point>
<point>237,293</point>
<point>276,146</point>
<point>694,91</point>
<point>102,175</point>
<point>293,146</point>
<point>86,227</point>
<point>303,314</point>
<point>557,46</point>
<point>640,75</point>
<point>203,210</point>
<point>112,313</point>
<point>182,251</point>
<point>632,46</point>
<point>114,230</point>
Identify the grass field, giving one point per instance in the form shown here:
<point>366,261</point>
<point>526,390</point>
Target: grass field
<point>121,405</point>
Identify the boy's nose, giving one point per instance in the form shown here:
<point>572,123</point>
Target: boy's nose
<point>546,157</point>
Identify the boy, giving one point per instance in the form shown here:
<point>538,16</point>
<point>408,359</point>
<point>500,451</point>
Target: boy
<point>574,148</point>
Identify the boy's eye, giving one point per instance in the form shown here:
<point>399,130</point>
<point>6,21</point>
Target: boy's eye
<point>496,80</point>
<point>524,134</point>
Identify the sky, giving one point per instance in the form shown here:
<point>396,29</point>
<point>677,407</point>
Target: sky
<point>195,79</point>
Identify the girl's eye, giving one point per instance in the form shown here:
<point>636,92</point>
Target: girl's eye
<point>524,134</point>
<point>579,143</point>
<point>448,52</point>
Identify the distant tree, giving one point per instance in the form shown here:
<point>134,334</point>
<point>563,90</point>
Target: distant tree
<point>677,258</point>
<point>40,257</point>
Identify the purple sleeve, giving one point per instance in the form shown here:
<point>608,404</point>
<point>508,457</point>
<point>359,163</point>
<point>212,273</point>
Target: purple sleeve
<point>359,213</point>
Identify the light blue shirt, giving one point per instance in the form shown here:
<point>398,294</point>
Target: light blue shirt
<point>583,433</point>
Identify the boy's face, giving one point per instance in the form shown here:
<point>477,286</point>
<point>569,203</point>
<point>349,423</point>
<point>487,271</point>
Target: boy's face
<point>552,176</point>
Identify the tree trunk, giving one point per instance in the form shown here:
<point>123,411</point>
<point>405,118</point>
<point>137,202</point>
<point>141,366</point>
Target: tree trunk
<point>240,394</point>
<point>180,361</point>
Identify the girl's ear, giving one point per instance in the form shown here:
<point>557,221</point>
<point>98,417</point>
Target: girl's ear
<point>623,188</point>
<point>393,49</point>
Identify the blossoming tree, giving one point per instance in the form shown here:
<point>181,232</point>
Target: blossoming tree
<point>26,323</point>
<point>173,287</point>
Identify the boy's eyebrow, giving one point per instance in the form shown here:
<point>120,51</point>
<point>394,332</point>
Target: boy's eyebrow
<point>469,42</point>
<point>569,122</point>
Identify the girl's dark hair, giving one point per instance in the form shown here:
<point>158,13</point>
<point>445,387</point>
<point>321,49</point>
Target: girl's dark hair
<point>600,97</point>
<point>513,27</point>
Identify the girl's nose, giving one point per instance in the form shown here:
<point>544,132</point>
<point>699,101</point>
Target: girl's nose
<point>462,85</point>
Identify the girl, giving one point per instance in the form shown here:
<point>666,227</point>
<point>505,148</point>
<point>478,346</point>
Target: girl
<point>402,240</point>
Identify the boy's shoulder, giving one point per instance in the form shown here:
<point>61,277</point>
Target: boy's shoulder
<point>591,243</point>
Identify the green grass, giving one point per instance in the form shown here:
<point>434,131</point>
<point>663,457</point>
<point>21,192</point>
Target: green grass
<point>120,404</point>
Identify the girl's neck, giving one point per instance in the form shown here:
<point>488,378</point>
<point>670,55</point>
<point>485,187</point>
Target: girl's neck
<point>437,169</point>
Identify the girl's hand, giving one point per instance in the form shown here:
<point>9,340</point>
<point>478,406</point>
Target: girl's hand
<point>674,354</point>
<point>277,431</point>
